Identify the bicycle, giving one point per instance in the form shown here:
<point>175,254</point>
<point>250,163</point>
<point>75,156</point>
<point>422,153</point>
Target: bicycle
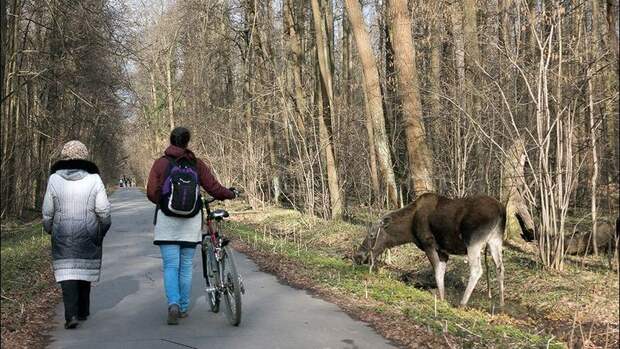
<point>219,268</point>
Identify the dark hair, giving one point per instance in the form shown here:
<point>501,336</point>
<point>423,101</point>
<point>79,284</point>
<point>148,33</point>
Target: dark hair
<point>180,137</point>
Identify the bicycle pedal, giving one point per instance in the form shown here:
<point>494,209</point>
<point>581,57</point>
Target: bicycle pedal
<point>210,289</point>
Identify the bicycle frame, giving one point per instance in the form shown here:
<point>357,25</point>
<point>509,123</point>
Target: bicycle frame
<point>210,229</point>
<point>217,248</point>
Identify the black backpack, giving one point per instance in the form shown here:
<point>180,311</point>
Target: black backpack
<point>180,192</point>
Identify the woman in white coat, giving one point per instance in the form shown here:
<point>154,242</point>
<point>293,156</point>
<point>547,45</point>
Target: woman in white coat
<point>76,212</point>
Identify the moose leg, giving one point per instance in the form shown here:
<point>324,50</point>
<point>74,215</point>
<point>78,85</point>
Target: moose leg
<point>495,245</point>
<point>475,270</point>
<point>438,262</point>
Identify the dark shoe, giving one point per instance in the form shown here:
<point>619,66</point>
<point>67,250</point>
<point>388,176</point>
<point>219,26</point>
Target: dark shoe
<point>71,324</point>
<point>173,315</point>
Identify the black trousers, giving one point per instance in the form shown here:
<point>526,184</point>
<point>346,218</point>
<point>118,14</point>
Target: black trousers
<point>76,296</point>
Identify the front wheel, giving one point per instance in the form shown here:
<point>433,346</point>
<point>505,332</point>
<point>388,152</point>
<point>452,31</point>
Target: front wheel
<point>232,290</point>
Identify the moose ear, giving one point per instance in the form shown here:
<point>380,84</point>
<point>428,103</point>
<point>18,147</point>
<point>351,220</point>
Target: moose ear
<point>386,220</point>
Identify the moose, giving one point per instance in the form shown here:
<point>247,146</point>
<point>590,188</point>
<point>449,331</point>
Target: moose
<point>440,227</point>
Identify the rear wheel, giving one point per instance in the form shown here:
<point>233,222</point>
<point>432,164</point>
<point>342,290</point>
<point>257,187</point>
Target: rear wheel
<point>232,289</point>
<point>210,274</point>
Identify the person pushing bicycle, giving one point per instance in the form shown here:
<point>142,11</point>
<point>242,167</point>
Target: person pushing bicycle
<point>174,186</point>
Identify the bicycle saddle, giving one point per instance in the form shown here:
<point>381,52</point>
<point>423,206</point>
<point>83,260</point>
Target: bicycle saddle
<point>218,214</point>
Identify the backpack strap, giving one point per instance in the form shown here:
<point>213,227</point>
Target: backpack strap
<point>171,162</point>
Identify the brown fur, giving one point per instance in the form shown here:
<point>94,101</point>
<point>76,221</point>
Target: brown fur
<point>581,243</point>
<point>440,226</point>
<point>607,240</point>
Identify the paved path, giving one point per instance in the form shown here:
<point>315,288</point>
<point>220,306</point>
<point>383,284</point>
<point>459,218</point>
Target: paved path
<point>128,308</point>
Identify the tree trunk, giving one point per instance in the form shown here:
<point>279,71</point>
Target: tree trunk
<point>459,140</point>
<point>593,136</point>
<point>346,61</point>
<point>323,58</point>
<point>248,65</point>
<point>506,27</point>
<point>296,61</point>
<point>459,44</point>
<point>372,89</point>
<point>275,177</point>
<point>335,199</point>
<point>435,61</point>
<point>323,51</point>
<point>511,197</point>
<point>372,150</point>
<point>470,32</point>
<point>169,87</point>
<point>4,29</point>
<point>611,12</point>
<point>391,111</point>
<point>612,33</point>
<point>420,158</point>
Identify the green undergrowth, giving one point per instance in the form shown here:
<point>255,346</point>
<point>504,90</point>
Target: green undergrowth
<point>27,282</point>
<point>472,326</point>
<point>25,253</point>
<point>578,304</point>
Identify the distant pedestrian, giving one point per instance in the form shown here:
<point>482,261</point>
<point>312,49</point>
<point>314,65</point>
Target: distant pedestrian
<point>178,221</point>
<point>76,212</point>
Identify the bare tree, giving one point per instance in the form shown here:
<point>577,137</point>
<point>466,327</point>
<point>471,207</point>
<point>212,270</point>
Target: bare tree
<point>420,158</point>
<point>373,96</point>
<point>327,93</point>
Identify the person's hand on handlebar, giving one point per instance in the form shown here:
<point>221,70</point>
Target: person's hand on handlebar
<point>210,199</point>
<point>236,191</point>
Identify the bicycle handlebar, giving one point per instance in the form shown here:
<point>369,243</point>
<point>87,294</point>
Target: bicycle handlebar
<point>208,200</point>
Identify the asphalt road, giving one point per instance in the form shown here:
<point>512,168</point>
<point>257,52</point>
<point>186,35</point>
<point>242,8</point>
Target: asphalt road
<point>128,307</point>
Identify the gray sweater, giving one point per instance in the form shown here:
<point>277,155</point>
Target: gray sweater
<point>177,230</point>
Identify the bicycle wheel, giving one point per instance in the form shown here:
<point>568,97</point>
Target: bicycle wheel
<point>232,291</point>
<point>210,274</point>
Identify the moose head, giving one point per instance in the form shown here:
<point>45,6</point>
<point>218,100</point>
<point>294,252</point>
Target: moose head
<point>391,230</point>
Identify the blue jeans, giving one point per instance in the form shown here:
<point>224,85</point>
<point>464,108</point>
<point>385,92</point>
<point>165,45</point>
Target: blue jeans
<point>177,274</point>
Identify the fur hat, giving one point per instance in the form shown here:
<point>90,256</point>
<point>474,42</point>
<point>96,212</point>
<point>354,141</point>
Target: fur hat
<point>74,150</point>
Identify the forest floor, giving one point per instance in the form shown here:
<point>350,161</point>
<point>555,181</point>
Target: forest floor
<point>29,292</point>
<point>577,307</point>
